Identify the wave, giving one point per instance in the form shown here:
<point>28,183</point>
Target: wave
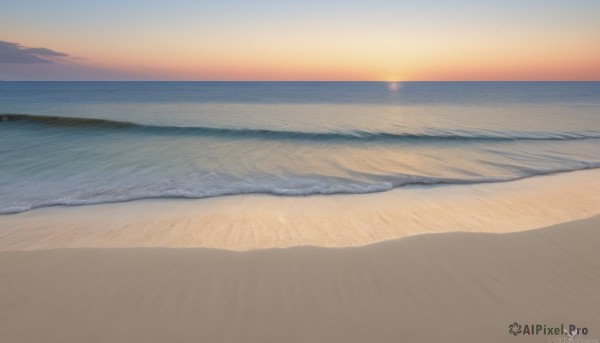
<point>356,135</point>
<point>316,185</point>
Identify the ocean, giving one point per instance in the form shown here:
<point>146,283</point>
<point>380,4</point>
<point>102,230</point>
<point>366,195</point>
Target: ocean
<point>77,143</point>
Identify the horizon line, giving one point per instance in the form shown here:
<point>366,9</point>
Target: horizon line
<point>315,81</point>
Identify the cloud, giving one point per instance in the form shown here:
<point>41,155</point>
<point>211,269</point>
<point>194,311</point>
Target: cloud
<point>16,53</point>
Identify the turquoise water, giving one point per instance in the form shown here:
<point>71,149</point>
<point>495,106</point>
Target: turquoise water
<point>75,143</point>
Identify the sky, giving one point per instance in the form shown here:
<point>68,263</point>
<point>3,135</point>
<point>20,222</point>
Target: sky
<point>378,40</point>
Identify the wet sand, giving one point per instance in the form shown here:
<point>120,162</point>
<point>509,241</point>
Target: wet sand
<point>265,221</point>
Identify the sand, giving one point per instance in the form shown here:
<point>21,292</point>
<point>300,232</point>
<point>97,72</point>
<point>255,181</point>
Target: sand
<point>444,287</point>
<point>265,221</point>
<point>421,264</point>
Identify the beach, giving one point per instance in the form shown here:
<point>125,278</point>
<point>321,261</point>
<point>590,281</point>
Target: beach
<point>466,287</point>
<point>148,271</point>
<point>299,211</point>
<point>300,171</point>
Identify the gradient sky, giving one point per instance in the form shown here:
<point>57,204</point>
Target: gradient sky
<point>300,40</point>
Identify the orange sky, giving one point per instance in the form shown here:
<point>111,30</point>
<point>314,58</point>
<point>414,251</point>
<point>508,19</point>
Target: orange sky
<point>327,40</point>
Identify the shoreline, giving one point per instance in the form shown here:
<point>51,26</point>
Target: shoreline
<point>247,222</point>
<point>458,286</point>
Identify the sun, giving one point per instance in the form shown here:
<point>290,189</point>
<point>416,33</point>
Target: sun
<point>393,86</point>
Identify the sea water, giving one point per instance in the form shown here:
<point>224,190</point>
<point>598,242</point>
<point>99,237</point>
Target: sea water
<point>76,143</point>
